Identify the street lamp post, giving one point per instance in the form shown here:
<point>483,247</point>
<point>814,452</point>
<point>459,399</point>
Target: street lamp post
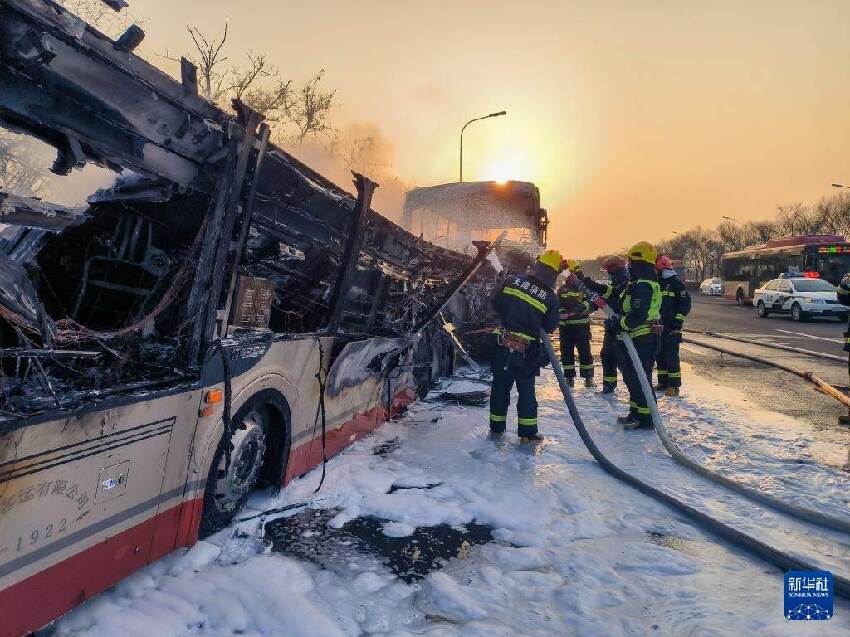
<point>499,114</point>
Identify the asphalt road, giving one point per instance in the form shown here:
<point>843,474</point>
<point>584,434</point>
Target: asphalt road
<point>714,314</point>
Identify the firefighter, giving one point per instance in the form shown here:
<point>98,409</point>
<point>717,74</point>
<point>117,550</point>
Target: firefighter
<point>618,275</point>
<point>575,329</point>
<point>675,306</point>
<point>844,299</point>
<point>524,305</point>
<point>640,303</point>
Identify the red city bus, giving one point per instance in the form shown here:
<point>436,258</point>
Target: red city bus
<point>744,271</point>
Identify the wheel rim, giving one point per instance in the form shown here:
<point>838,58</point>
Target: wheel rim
<point>795,312</point>
<point>246,459</point>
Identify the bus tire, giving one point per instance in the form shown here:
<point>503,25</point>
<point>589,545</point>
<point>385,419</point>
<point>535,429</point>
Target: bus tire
<point>739,296</point>
<point>797,313</point>
<point>761,310</point>
<point>229,484</point>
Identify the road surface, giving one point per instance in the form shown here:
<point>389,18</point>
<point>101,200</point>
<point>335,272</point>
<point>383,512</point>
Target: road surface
<point>768,388</point>
<point>713,314</point>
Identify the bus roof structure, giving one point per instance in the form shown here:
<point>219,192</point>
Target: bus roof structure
<point>793,241</point>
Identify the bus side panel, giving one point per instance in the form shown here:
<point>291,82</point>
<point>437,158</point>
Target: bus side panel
<point>288,367</point>
<point>80,504</point>
<point>358,398</point>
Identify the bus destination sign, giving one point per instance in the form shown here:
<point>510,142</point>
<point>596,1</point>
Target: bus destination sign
<point>842,249</point>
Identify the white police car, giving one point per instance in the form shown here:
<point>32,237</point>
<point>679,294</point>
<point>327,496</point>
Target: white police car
<point>799,296</point>
<point>711,287</point>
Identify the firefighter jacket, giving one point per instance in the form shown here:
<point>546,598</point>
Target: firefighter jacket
<point>573,301</point>
<point>675,302</point>
<point>640,301</point>
<point>525,304</point>
<point>610,292</point>
<point>844,298</point>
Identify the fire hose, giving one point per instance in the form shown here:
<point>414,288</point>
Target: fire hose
<point>799,512</point>
<point>765,551</point>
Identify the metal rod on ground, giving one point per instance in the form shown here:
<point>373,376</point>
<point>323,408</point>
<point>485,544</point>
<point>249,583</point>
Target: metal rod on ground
<point>821,384</point>
<point>748,543</point>
<point>802,513</point>
<point>809,376</point>
<point>787,348</point>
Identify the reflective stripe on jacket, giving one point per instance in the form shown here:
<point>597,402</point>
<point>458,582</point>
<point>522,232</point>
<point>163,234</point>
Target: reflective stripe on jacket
<point>641,303</point>
<point>524,305</point>
<point>675,302</point>
<point>572,301</point>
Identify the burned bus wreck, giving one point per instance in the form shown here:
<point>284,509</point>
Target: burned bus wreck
<point>223,317</point>
<point>116,282</point>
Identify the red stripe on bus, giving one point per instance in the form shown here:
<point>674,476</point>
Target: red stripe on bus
<point>35,601</point>
<point>41,598</point>
<point>309,454</point>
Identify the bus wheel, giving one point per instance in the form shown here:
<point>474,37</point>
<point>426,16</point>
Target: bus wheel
<point>797,313</point>
<point>235,470</point>
<point>762,310</point>
<point>739,296</point>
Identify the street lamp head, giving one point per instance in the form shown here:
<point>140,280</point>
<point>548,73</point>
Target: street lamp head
<point>500,113</point>
<point>839,186</point>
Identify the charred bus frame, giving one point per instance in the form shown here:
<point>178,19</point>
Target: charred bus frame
<point>261,295</point>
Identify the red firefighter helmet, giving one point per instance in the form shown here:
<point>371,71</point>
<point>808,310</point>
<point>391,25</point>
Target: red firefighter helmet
<point>663,262</point>
<point>612,264</point>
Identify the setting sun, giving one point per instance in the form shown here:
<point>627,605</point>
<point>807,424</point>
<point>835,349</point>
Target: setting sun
<point>505,169</point>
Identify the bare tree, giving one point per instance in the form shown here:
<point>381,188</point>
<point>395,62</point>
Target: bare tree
<point>259,84</point>
<point>701,249</point>
<point>358,154</point>
<point>312,107</point>
<point>833,214</point>
<point>794,219</point>
<point>760,232</point>
<point>261,87</point>
<point>209,56</point>
<point>731,235</point>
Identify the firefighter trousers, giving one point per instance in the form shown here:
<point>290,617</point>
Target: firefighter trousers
<point>669,368</point>
<point>646,346</point>
<point>511,368</point>
<point>610,358</point>
<point>576,337</point>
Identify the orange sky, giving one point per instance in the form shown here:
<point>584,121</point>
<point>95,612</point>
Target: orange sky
<point>635,118</point>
